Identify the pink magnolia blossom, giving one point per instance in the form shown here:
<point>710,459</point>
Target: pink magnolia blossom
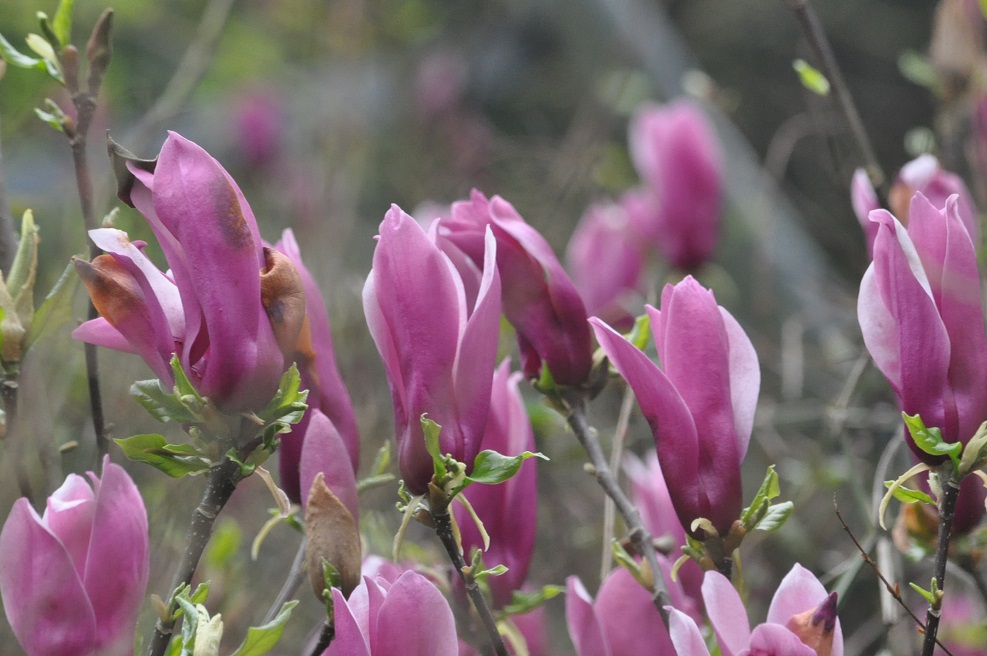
<point>228,307</point>
<point>316,360</point>
<point>406,617</point>
<point>73,580</point>
<point>508,510</point>
<point>675,151</point>
<point>540,300</point>
<point>921,316</point>
<point>700,404</point>
<point>606,262</point>
<point>801,620</point>
<point>623,620</point>
<point>438,347</point>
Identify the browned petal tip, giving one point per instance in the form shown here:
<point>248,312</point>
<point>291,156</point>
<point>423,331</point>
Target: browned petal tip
<point>815,627</point>
<point>332,537</point>
<point>283,298</point>
<point>112,288</point>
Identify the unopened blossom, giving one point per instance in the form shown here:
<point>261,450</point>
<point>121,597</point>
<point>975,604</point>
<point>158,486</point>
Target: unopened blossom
<point>406,617</point>
<point>508,510</point>
<point>921,316</point>
<point>700,403</point>
<point>73,580</point>
<point>316,360</point>
<point>540,300</point>
<point>675,151</point>
<point>438,341</point>
<point>229,308</point>
<point>923,174</point>
<point>606,261</point>
<point>801,620</point>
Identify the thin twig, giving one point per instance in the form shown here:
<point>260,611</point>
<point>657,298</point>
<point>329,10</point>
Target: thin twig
<point>294,579</point>
<point>443,529</point>
<point>616,454</point>
<point>892,589</point>
<point>639,536</point>
<point>222,481</point>
<point>188,75</point>
<point>825,60</point>
<point>947,510</point>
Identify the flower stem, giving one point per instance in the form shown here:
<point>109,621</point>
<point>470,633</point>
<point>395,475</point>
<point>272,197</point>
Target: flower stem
<point>947,509</point>
<point>443,528</point>
<point>326,636</point>
<point>639,536</point>
<point>222,481</point>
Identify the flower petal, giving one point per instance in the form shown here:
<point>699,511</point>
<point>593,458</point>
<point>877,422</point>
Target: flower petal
<point>726,613</point>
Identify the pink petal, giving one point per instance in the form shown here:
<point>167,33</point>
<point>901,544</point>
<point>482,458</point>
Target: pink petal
<point>323,451</point>
<point>45,602</point>
<point>117,566</point>
<point>349,640</point>
<point>726,613</point>
<point>414,620</point>
<point>69,517</point>
<point>631,623</point>
<point>798,592</point>
<point>584,626</point>
<point>686,636</point>
<point>776,640</point>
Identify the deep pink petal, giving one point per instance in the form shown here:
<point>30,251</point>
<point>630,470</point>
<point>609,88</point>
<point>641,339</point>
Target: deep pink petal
<point>43,596</point>
<point>585,630</point>
<point>414,620</point>
<point>324,452</point>
<point>631,623</point>
<point>726,613</point>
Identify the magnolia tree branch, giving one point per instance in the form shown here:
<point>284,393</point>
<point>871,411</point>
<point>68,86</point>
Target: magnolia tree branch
<point>222,481</point>
<point>443,529</point>
<point>813,31</point>
<point>947,510</point>
<point>639,536</point>
<point>326,636</point>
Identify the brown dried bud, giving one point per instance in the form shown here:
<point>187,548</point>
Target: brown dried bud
<point>99,50</point>
<point>332,537</point>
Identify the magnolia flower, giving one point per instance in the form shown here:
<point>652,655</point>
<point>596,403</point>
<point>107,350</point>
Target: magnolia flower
<point>438,347</point>
<point>923,174</point>
<point>508,510</point>
<point>73,580</point>
<point>229,308</point>
<point>606,262</point>
<point>540,300</point>
<point>700,404</point>
<point>921,316</point>
<point>801,620</point>
<point>408,617</point>
<point>316,360</point>
<point>675,152</point>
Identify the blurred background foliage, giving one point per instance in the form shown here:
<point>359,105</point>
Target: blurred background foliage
<point>328,112</point>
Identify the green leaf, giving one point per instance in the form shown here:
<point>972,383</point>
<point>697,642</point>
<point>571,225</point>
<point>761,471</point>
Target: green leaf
<point>288,404</point>
<point>908,495</point>
<point>497,570</point>
<point>262,639</point>
<point>641,332</point>
<point>775,517</point>
<point>883,507</point>
<point>382,460</point>
<point>163,405</point>
<point>930,440</point>
<point>811,78</point>
<point>918,69</point>
<point>15,58</point>
<point>183,386</point>
<point>176,460</point>
<point>491,467</point>
<point>61,25</point>
<point>432,445</point>
<point>523,602</point>
<point>56,309</point>
<point>926,594</point>
<point>770,488</point>
<point>626,561</point>
<point>974,452</point>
